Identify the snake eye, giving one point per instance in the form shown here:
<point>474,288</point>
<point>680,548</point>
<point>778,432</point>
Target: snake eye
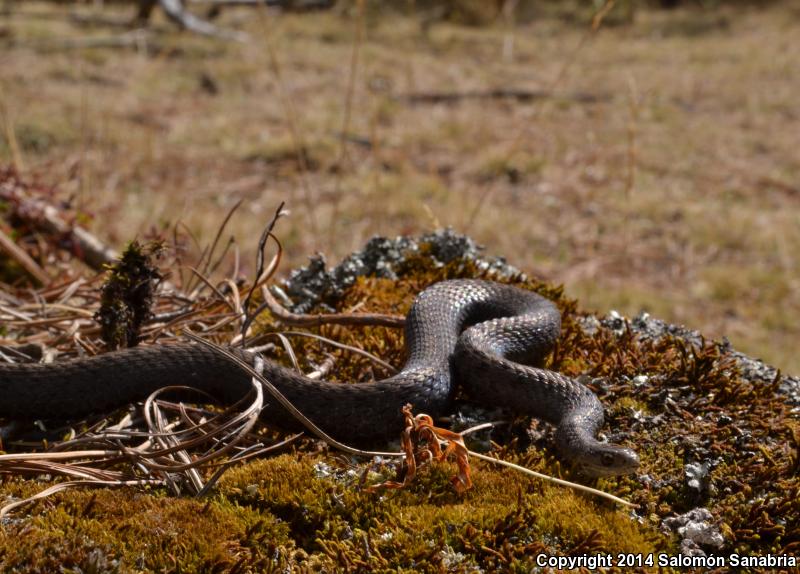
<point>607,459</point>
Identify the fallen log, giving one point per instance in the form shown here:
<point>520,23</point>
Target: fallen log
<point>48,219</point>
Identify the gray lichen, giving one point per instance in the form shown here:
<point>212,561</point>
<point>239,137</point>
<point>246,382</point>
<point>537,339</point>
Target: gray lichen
<point>315,284</point>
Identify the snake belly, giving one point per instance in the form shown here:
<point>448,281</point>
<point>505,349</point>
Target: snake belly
<point>480,333</point>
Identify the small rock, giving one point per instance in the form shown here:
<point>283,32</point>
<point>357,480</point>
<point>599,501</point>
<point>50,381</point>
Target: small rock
<point>696,528</point>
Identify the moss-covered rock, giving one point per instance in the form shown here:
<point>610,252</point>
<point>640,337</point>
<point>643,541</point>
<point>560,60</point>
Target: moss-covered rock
<point>713,432</point>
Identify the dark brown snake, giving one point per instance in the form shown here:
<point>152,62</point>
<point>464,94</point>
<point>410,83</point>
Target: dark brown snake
<point>480,333</point>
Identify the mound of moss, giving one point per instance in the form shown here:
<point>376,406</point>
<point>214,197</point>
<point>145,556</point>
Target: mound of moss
<point>717,433</point>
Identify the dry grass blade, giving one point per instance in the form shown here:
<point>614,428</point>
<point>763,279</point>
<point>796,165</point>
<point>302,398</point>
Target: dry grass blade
<point>29,456</point>
<point>290,113</point>
<point>302,320</point>
<point>251,452</point>
<point>73,484</point>
<point>287,346</point>
<point>581,487</point>
<point>207,267</point>
<point>211,286</point>
<point>15,313</point>
<point>287,404</point>
<point>239,425</point>
<point>338,345</point>
<point>166,456</point>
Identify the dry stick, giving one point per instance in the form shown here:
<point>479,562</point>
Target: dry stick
<point>175,11</point>
<point>322,369</point>
<point>482,426</point>
<point>262,242</point>
<point>305,5</point>
<point>306,320</point>
<point>25,260</point>
<point>37,213</point>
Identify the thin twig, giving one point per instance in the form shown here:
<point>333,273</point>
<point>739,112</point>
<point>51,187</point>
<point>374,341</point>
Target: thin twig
<point>262,242</point>
<point>306,320</point>
<point>211,286</point>
<point>554,480</point>
<point>205,260</point>
<point>338,345</point>
<point>26,262</point>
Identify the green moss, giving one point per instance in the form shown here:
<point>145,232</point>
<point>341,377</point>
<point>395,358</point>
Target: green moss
<point>127,531</point>
<point>307,510</point>
<point>500,522</point>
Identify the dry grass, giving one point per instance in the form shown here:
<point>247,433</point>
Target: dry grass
<point>675,192</point>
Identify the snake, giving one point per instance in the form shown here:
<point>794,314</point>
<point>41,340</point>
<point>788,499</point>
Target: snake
<point>484,335</point>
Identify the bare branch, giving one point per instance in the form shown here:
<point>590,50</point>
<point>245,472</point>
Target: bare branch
<point>306,320</point>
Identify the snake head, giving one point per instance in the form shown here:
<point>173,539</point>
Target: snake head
<point>608,460</point>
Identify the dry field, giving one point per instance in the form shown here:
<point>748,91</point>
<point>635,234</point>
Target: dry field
<point>659,170</point>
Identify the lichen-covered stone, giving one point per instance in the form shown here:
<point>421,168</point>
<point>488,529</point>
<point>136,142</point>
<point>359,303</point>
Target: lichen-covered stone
<point>717,432</point>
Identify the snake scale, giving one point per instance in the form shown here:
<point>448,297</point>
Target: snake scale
<point>480,333</point>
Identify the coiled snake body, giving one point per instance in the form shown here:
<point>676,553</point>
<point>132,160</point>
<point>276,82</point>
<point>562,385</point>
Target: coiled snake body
<point>480,333</point>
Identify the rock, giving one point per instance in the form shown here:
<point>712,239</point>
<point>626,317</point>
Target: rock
<point>315,284</point>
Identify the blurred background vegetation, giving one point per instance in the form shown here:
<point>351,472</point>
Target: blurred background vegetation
<point>645,154</point>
